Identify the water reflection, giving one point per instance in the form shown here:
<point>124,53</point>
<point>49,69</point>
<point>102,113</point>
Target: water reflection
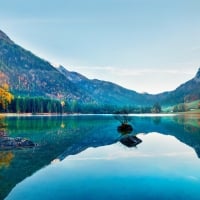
<point>2,126</point>
<point>5,159</point>
<point>60,137</point>
<point>151,171</point>
<point>156,120</point>
<point>130,140</point>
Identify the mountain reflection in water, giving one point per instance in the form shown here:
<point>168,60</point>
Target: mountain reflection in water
<point>59,137</point>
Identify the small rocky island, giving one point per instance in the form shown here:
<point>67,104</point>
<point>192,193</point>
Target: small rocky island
<point>7,143</point>
<point>124,119</point>
<point>125,129</point>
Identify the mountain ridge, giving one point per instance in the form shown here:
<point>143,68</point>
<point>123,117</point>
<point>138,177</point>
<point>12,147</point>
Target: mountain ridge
<point>29,75</point>
<point>4,37</point>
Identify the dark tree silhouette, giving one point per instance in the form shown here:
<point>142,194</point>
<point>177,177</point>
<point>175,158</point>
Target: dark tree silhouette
<point>124,119</point>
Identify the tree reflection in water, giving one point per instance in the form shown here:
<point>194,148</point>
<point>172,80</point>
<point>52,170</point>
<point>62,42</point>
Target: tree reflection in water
<point>5,159</point>
<point>2,126</point>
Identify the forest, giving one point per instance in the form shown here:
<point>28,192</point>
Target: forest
<point>46,105</point>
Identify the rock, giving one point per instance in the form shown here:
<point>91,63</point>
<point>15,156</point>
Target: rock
<point>12,143</point>
<point>130,141</point>
<point>27,143</point>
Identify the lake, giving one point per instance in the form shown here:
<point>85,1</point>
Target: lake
<point>83,157</point>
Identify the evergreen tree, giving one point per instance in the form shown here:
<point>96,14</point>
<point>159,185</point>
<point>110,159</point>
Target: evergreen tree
<point>156,108</point>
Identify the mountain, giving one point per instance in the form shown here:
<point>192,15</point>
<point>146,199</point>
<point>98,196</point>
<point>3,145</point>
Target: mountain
<point>29,75</point>
<point>106,92</point>
<point>190,90</point>
<point>186,92</point>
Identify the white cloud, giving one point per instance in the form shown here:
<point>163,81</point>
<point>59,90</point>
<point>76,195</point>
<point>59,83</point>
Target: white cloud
<point>133,71</point>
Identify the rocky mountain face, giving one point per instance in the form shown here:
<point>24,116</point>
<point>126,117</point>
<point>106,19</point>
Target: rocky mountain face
<point>29,75</point>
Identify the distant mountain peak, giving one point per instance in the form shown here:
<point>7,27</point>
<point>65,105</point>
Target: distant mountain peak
<point>4,37</point>
<point>197,77</point>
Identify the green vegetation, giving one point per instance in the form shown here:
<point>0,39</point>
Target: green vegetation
<point>46,105</point>
<point>191,107</point>
<point>33,105</point>
<point>156,108</point>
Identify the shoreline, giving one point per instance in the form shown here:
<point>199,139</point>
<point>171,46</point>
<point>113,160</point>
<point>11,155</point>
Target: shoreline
<point>82,114</point>
<point>91,114</point>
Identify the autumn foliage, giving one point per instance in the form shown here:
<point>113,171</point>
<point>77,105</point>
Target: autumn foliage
<point>5,96</point>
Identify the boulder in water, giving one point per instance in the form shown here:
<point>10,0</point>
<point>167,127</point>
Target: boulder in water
<point>12,143</point>
<point>130,140</point>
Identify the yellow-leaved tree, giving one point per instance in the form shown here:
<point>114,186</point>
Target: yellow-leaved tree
<point>5,96</point>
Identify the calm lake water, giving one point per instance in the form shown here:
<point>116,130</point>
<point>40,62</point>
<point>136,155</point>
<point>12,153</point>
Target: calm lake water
<point>81,157</point>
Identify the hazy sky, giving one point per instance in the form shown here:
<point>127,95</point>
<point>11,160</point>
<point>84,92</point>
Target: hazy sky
<point>145,45</point>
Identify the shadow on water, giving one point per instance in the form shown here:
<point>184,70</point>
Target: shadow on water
<point>59,137</point>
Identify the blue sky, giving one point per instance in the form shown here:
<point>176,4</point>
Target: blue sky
<point>144,45</point>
